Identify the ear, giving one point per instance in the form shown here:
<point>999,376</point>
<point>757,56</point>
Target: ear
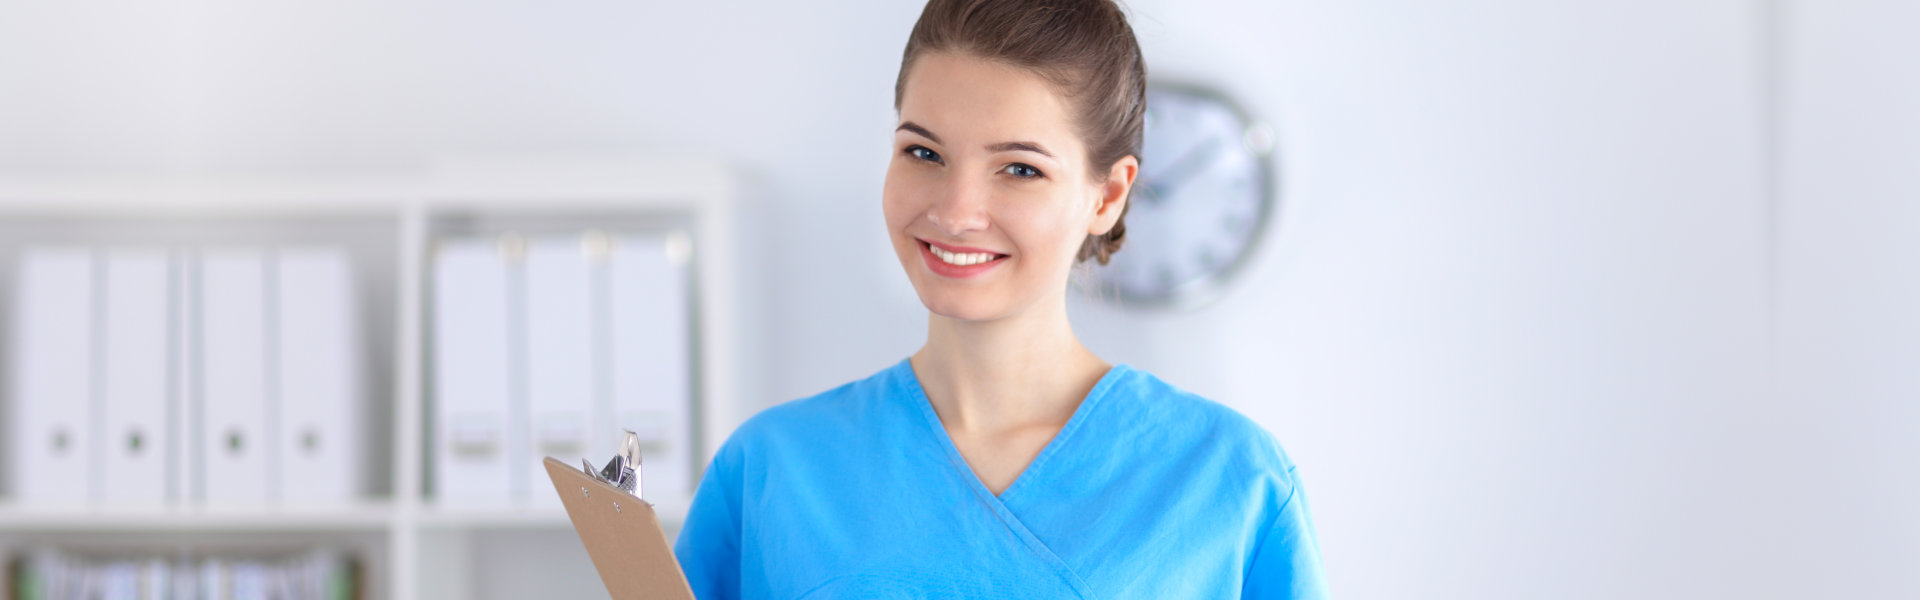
<point>1113,195</point>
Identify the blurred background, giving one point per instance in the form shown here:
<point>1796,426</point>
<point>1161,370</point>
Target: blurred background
<point>1555,299</point>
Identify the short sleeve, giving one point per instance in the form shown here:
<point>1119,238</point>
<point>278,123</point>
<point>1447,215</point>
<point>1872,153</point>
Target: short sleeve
<point>709,544</point>
<point>1286,559</point>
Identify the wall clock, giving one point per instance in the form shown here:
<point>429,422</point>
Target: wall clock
<point>1200,203</point>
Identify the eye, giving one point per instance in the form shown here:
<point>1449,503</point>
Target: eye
<point>922,153</point>
<point>1022,171</point>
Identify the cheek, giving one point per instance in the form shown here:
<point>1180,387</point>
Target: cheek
<point>1048,226</point>
<point>899,197</point>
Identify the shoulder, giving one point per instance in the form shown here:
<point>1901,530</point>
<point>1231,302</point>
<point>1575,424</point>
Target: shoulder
<point>1187,421</point>
<point>1216,451</point>
<point>822,417</point>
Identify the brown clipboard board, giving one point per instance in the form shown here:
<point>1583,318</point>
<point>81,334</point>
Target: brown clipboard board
<point>623,536</point>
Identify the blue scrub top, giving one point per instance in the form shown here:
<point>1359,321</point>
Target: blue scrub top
<point>1147,492</point>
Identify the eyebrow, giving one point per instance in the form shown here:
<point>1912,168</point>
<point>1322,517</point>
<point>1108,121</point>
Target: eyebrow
<point>916,128</point>
<point>1027,146</point>
<point>1000,147</point>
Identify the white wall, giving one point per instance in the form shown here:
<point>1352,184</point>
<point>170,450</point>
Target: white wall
<point>1849,300</point>
<point>1514,322</point>
<point>1517,300</point>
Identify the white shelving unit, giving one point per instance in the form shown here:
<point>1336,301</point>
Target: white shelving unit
<point>411,547</point>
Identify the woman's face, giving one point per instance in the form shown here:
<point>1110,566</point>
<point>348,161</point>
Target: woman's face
<point>987,197</point>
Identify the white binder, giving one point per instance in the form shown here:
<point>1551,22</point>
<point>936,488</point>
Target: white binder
<point>137,438</point>
<point>52,394</point>
<point>560,357</point>
<point>184,419</point>
<point>471,374</point>
<point>320,390</point>
<point>650,365</point>
<point>232,450</point>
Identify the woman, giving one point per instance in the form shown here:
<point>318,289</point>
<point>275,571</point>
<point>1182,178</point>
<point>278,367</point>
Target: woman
<point>1004,459</point>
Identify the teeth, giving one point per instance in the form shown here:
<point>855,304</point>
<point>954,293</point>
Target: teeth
<point>960,258</point>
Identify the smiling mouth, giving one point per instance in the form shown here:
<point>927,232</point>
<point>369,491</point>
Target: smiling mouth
<point>960,259</point>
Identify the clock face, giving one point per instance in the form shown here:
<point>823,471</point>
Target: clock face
<point>1200,202</point>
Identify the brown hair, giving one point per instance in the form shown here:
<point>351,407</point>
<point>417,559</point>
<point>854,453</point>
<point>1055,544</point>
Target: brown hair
<point>1085,48</point>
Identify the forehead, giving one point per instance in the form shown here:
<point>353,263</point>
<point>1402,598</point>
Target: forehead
<point>967,100</point>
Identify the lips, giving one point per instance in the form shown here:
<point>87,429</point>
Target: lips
<point>958,261</point>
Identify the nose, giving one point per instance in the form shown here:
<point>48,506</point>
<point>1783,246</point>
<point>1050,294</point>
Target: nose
<point>961,207</point>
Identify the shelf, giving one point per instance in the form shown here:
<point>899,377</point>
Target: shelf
<point>414,548</point>
<point>368,517</point>
<point>185,196</point>
<point>494,518</point>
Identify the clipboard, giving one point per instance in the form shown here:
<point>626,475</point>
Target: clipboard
<point>623,536</point>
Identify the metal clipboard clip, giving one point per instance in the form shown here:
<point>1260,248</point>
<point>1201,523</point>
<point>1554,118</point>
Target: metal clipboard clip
<point>623,470</point>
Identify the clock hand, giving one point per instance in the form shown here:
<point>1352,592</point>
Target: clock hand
<point>1183,168</point>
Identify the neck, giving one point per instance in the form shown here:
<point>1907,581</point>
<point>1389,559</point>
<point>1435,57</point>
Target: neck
<point>1021,371</point>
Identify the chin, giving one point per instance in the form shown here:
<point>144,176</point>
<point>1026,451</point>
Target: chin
<point>962,305</point>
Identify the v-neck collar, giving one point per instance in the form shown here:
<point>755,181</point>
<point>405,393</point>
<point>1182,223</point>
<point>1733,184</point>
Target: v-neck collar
<point>910,381</point>
<point>910,388</point>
